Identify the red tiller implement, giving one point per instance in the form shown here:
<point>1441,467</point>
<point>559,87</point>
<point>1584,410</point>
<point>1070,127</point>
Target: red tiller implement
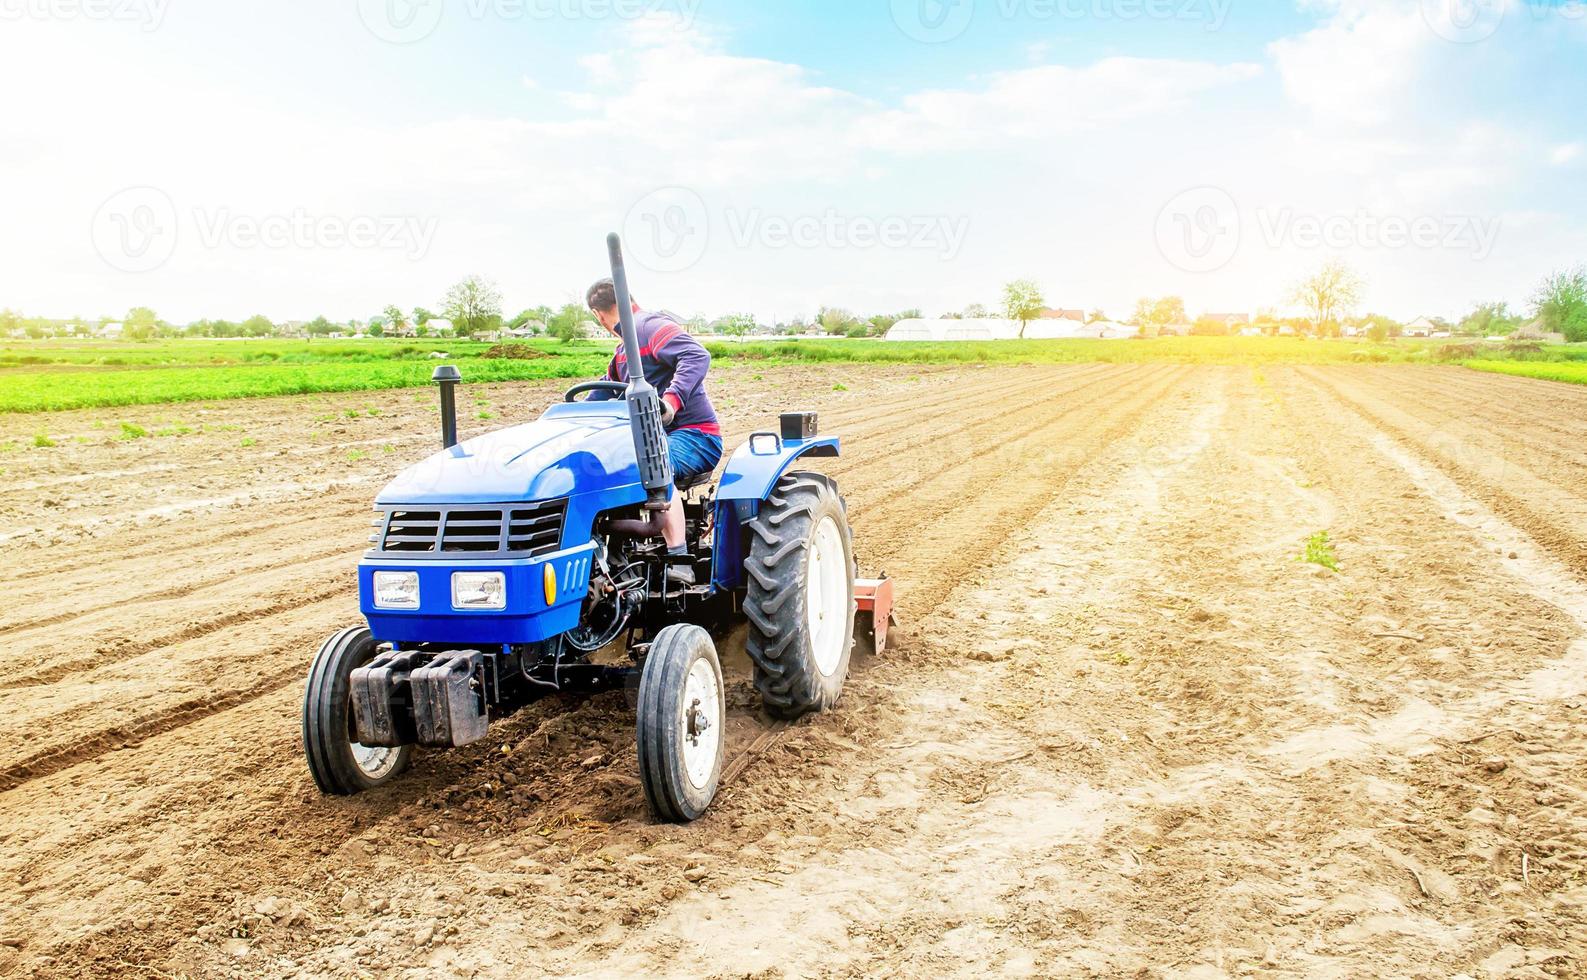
<point>874,598</point>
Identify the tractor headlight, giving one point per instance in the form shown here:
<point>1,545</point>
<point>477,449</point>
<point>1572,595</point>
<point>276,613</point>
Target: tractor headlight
<point>479,590</point>
<point>396,590</point>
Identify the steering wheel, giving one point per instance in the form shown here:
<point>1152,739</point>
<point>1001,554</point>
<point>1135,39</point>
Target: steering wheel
<point>617,388</point>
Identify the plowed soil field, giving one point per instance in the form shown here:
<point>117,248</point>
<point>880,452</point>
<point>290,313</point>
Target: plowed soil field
<point>1124,731</point>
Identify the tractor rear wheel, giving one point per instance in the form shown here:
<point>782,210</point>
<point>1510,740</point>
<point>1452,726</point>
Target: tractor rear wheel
<point>682,709</point>
<point>339,764</point>
<point>801,596</point>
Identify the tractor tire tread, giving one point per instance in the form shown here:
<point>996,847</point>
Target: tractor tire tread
<point>778,644</point>
<point>668,793</point>
<point>325,708</point>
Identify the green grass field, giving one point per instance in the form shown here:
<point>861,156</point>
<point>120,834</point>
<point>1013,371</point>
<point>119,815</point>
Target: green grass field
<point>58,375</point>
<point>78,374</point>
<point>1573,371</point>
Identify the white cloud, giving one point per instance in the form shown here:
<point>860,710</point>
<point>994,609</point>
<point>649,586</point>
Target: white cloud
<point>1050,101</point>
<point>524,195</point>
<point>1357,67</point>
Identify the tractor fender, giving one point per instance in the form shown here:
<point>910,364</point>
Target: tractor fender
<point>749,478</point>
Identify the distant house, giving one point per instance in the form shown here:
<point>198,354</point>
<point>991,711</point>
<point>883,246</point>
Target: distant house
<point>1078,316</point>
<point>110,331</point>
<point>1250,331</point>
<point>1176,329</point>
<point>434,325</point>
<point>1230,320</point>
<point>1421,327</point>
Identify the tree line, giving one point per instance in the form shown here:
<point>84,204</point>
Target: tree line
<point>1328,300</point>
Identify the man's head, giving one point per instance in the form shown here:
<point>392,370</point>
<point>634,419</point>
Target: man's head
<point>602,301</point>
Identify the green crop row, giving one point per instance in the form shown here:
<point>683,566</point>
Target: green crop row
<point>1570,372</point>
<point>55,391</point>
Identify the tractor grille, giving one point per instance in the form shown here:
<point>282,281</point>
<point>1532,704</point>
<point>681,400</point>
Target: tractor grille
<point>522,531</point>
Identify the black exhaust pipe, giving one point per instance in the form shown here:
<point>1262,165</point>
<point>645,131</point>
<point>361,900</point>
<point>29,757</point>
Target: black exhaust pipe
<point>448,376</point>
<point>644,403</point>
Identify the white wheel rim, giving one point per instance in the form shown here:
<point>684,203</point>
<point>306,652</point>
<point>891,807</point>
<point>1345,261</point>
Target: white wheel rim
<point>700,722</point>
<point>826,596</point>
<point>373,761</point>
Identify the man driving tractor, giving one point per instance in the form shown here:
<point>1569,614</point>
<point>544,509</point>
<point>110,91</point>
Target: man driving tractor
<point>676,365</point>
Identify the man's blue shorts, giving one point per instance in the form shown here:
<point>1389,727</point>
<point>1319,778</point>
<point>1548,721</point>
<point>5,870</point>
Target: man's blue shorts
<point>693,452</point>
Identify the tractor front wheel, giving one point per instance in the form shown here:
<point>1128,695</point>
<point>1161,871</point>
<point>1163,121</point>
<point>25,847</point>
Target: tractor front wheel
<point>800,602</point>
<point>339,764</point>
<point>682,710</point>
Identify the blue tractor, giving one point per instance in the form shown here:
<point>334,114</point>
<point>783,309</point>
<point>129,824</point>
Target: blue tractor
<point>521,563</point>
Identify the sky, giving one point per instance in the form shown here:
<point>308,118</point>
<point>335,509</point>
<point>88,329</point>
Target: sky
<point>296,158</point>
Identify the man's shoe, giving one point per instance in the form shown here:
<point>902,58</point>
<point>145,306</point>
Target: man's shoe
<point>680,575</point>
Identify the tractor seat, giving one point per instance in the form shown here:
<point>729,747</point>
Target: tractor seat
<point>692,482</point>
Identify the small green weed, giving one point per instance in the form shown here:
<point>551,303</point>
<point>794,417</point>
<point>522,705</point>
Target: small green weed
<point>1320,551</point>
<point>42,441</point>
<point>131,430</point>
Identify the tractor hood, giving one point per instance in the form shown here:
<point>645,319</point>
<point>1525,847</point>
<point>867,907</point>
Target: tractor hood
<point>588,446</point>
